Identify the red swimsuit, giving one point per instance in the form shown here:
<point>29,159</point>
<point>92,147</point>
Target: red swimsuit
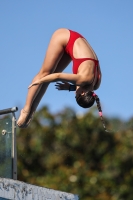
<point>69,49</point>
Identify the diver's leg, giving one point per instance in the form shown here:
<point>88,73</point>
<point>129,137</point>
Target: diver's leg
<point>65,60</point>
<point>53,55</point>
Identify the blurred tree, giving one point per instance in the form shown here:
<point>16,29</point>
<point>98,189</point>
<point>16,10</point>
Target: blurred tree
<point>73,153</point>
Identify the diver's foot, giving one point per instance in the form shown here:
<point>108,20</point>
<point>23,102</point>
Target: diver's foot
<point>22,119</point>
<point>28,120</point>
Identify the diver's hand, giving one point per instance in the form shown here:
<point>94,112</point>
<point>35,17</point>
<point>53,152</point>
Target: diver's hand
<point>62,86</point>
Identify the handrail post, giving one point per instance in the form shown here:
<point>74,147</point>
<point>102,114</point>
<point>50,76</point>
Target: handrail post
<point>14,147</point>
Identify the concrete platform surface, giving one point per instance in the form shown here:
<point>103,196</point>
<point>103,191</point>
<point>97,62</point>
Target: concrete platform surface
<point>17,190</point>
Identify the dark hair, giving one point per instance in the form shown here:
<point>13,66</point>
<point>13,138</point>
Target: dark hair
<point>86,101</point>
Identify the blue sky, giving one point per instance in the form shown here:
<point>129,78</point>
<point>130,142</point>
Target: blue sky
<point>25,31</point>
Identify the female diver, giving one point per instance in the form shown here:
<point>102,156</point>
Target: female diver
<point>65,46</point>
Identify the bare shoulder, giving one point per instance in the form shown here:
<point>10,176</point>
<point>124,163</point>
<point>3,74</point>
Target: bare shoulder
<point>84,80</point>
<point>98,82</point>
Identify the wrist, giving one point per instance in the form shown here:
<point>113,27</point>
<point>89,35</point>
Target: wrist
<point>72,87</point>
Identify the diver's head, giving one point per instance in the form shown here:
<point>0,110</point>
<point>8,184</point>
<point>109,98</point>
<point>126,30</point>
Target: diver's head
<point>84,97</point>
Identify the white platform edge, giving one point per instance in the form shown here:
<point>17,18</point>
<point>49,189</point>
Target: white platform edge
<point>18,190</point>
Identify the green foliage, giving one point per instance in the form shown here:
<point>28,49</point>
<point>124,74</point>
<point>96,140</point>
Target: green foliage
<point>73,153</point>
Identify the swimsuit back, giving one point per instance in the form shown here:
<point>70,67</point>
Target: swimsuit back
<point>69,49</point>
<point>77,61</point>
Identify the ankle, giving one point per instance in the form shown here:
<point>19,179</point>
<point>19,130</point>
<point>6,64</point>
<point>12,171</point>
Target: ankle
<point>26,109</point>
